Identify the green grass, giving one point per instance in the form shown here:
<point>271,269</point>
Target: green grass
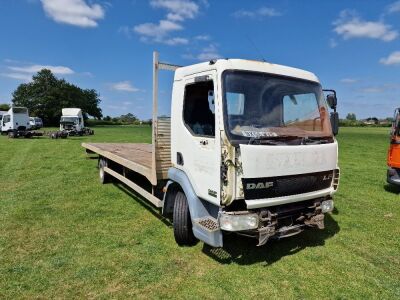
<point>63,235</point>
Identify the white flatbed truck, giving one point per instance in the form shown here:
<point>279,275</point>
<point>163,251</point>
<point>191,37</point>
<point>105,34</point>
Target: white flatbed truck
<point>250,148</point>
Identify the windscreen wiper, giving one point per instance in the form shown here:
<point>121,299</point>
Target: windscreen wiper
<point>271,140</point>
<point>315,140</point>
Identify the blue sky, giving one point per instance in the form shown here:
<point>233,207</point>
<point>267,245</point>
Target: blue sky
<point>352,46</point>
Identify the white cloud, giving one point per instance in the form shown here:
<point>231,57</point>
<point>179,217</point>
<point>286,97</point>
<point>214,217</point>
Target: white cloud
<point>392,59</point>
<point>372,90</point>
<point>349,80</point>
<point>157,31</point>
<point>203,37</point>
<point>333,43</point>
<point>394,7</point>
<point>209,53</point>
<point>387,88</point>
<point>349,26</point>
<point>123,86</point>
<point>178,10</point>
<point>259,13</point>
<point>25,72</point>
<point>73,12</point>
<point>59,70</point>
<point>18,76</point>
<point>176,41</point>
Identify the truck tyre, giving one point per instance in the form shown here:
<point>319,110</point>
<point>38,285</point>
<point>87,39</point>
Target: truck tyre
<point>104,177</point>
<point>12,134</point>
<point>183,232</point>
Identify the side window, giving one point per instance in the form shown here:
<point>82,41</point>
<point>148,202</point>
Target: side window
<point>199,108</point>
<point>235,103</point>
<point>6,119</point>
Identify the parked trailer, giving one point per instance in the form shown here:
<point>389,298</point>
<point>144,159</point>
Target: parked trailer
<point>250,148</point>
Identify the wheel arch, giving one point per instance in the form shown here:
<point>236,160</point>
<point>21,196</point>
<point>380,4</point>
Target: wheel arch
<point>178,180</point>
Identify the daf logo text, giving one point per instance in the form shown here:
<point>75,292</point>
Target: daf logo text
<point>260,185</point>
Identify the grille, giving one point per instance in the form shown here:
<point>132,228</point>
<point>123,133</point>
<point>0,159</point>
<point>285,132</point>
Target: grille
<point>271,187</point>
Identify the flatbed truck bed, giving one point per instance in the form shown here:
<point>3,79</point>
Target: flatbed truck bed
<point>136,157</point>
<point>149,161</point>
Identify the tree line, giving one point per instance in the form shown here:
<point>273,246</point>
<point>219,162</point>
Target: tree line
<point>46,95</point>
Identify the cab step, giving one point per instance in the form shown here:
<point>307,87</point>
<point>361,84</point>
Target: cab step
<point>208,223</point>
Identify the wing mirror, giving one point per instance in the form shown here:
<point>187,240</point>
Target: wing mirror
<point>331,99</point>
<point>335,122</point>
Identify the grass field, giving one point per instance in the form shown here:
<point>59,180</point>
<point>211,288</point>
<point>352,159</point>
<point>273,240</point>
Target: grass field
<point>63,235</point>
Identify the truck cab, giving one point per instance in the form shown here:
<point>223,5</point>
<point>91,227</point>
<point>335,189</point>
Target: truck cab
<point>72,121</point>
<point>254,142</point>
<point>35,122</point>
<point>15,122</point>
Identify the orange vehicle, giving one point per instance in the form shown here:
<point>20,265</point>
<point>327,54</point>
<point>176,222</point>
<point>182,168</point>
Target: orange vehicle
<point>393,159</point>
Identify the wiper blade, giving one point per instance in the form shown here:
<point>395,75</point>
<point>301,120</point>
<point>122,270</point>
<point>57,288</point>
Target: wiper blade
<point>263,142</point>
<point>315,140</point>
<point>270,140</point>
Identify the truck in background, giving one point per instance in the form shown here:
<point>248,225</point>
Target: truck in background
<point>15,123</point>
<point>393,156</point>
<point>35,122</point>
<point>72,122</point>
<point>250,148</point>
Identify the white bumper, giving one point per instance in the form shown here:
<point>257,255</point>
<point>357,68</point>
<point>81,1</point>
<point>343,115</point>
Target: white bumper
<point>259,203</point>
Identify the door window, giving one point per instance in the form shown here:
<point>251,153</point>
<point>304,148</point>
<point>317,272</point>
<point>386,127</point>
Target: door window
<point>199,108</point>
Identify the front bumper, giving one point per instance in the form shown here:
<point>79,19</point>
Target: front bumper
<point>393,176</point>
<point>278,221</point>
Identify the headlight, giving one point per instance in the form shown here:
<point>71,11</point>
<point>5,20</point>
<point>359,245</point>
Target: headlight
<point>327,206</point>
<point>232,222</point>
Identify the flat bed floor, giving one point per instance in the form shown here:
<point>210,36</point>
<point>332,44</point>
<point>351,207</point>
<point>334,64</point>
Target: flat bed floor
<point>136,157</point>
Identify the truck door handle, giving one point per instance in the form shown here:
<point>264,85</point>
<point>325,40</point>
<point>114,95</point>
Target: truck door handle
<point>204,142</point>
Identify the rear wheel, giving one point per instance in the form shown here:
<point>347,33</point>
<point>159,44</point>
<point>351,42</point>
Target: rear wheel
<point>104,177</point>
<point>183,231</point>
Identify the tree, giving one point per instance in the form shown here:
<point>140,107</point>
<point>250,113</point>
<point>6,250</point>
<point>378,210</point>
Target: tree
<point>4,106</point>
<point>351,117</point>
<point>46,95</point>
<point>128,118</point>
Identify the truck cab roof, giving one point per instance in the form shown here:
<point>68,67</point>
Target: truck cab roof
<point>245,65</point>
<point>71,112</point>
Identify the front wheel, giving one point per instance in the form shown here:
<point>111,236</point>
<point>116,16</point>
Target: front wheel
<point>12,134</point>
<point>183,231</point>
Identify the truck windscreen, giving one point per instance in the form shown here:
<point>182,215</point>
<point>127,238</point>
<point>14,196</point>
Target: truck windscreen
<point>261,105</point>
<point>20,110</point>
<point>69,120</point>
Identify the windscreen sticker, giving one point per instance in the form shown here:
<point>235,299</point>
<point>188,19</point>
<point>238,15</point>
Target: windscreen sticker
<point>258,134</point>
